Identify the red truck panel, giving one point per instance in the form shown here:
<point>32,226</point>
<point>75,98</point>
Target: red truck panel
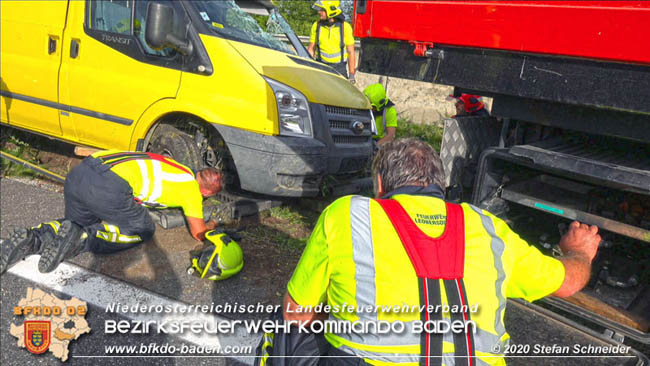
<point>609,30</point>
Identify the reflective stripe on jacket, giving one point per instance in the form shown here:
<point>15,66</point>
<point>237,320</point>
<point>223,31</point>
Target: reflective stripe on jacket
<point>331,41</point>
<point>355,258</point>
<point>386,118</point>
<point>156,181</point>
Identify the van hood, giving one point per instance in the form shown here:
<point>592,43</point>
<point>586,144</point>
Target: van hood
<point>306,76</point>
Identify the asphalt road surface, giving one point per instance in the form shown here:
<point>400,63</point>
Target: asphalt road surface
<point>154,274</point>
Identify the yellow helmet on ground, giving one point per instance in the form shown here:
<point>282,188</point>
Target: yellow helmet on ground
<point>220,258</point>
<point>332,7</point>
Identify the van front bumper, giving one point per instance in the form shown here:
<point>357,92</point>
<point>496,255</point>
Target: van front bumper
<point>288,166</point>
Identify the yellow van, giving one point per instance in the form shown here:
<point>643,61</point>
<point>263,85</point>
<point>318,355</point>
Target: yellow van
<point>200,81</point>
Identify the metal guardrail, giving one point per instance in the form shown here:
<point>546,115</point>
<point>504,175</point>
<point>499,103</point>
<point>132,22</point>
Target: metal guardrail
<point>305,40</point>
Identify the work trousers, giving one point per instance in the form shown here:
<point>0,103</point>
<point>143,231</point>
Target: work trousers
<point>93,193</point>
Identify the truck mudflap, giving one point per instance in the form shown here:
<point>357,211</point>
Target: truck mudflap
<point>463,139</point>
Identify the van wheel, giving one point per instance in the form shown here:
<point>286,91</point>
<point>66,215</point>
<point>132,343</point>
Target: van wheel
<point>169,141</point>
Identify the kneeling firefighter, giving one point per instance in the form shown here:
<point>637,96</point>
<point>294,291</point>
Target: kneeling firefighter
<point>106,201</point>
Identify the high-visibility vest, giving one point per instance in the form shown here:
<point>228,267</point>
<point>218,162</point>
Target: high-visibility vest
<point>354,261</point>
<point>331,58</point>
<point>157,181</point>
<point>404,348</point>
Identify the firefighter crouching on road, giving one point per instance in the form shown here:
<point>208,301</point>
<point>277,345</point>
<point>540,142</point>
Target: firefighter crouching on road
<point>457,255</point>
<point>331,41</point>
<point>115,187</point>
<point>383,109</point>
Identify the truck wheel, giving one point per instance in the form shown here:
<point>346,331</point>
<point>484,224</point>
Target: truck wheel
<point>170,142</point>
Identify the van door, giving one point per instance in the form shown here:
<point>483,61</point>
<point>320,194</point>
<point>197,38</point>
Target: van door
<point>31,55</point>
<point>109,76</point>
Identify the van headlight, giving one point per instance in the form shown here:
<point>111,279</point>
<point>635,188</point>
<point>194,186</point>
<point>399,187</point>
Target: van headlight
<point>293,110</point>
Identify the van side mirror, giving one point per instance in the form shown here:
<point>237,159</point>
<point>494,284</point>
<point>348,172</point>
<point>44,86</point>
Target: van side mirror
<point>159,29</point>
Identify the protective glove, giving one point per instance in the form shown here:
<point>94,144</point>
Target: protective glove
<point>351,79</point>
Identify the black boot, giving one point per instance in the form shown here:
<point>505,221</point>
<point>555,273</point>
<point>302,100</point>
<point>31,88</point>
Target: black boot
<point>69,242</point>
<point>24,242</point>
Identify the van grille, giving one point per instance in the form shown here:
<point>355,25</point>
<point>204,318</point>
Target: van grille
<point>335,123</point>
<point>341,120</point>
<point>350,139</point>
<point>346,111</point>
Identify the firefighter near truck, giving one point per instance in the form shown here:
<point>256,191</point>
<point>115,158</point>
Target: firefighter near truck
<point>569,135</point>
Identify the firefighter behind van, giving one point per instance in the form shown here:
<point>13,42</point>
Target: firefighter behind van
<point>331,41</point>
<point>384,112</point>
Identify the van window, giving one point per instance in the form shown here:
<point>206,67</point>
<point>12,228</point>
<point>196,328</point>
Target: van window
<point>128,18</point>
<point>227,19</point>
<point>111,16</point>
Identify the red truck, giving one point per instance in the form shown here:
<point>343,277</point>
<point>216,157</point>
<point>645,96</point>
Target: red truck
<point>569,135</point>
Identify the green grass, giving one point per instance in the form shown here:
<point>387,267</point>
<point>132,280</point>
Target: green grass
<point>429,133</point>
<point>294,223</point>
<point>279,236</point>
<point>295,226</point>
<point>28,146</point>
<point>288,243</point>
<point>17,144</point>
<point>287,213</point>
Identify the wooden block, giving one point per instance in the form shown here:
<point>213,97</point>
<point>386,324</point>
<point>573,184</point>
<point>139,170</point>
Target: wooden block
<point>84,150</point>
<point>607,311</point>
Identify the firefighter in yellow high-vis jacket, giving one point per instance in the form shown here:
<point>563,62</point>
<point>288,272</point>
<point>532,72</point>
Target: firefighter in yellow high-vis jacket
<point>331,41</point>
<point>105,200</point>
<point>383,109</point>
<point>363,262</point>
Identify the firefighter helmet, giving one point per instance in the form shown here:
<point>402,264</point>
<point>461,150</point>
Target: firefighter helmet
<point>471,103</point>
<point>376,94</point>
<point>331,7</point>
<point>219,259</point>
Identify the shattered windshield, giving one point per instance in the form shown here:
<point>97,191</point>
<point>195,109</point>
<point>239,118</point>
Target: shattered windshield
<point>230,21</point>
<point>276,24</point>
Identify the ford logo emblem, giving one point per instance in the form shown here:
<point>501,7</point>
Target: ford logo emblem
<point>357,127</point>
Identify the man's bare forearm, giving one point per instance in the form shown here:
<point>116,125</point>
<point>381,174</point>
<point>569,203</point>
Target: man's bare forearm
<point>352,60</point>
<point>580,245</point>
<point>577,271</point>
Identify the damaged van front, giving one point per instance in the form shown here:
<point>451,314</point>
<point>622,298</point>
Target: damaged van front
<point>200,81</point>
<point>287,121</point>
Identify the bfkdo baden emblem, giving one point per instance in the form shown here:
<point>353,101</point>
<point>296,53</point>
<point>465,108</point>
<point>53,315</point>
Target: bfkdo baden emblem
<point>37,336</point>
